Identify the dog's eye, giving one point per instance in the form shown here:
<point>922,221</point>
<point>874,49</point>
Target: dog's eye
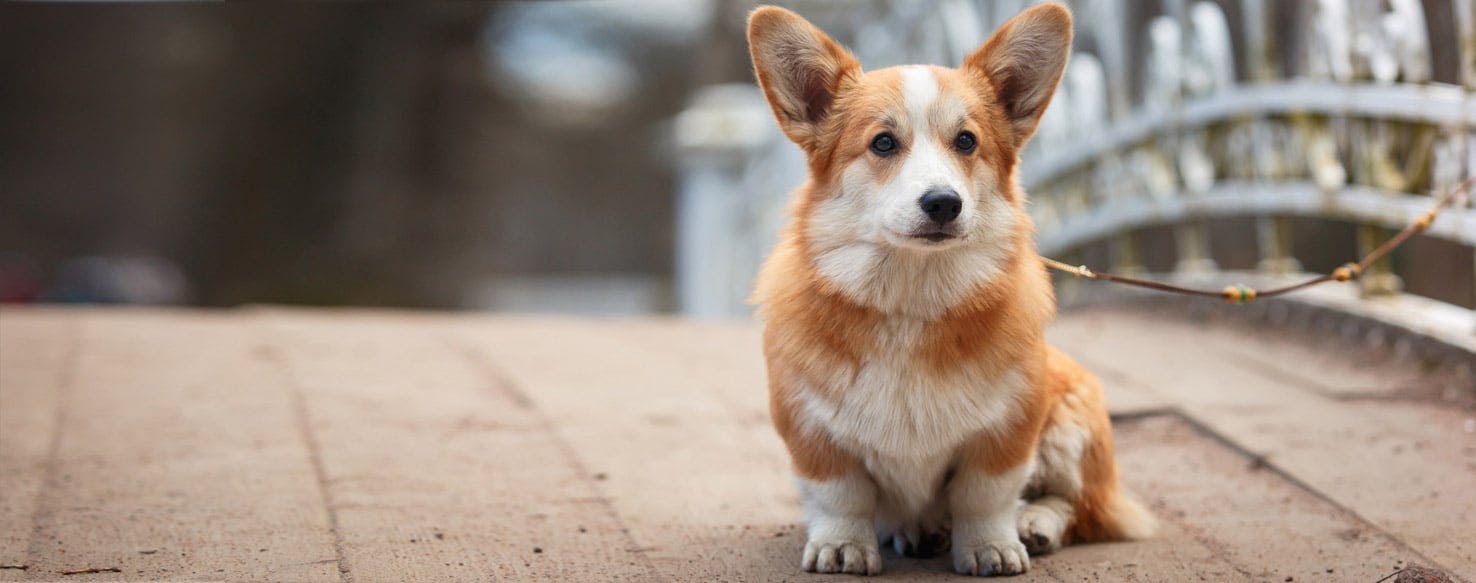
<point>964,142</point>
<point>883,144</point>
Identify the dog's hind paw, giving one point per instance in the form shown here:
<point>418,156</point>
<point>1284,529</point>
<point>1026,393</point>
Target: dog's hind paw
<point>1041,529</point>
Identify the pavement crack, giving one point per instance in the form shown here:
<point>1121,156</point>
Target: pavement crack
<point>93,570</point>
<point>315,452</point>
<point>497,379</point>
<point>1259,461</point>
<point>1271,372</point>
<point>503,385</point>
<point>51,478</point>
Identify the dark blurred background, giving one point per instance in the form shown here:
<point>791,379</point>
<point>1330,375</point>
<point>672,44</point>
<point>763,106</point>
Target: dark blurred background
<point>407,154</point>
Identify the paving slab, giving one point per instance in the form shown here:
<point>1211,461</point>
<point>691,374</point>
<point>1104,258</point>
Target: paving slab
<point>177,457</point>
<point>676,461</point>
<point>1263,526</point>
<point>436,469</point>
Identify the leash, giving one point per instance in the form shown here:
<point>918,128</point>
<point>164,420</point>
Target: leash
<point>1241,294</point>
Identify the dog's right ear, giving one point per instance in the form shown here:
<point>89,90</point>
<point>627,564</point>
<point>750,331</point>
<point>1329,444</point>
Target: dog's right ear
<point>799,68</point>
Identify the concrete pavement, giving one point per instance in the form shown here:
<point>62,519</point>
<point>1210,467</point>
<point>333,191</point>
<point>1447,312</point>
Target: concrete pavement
<point>302,445</point>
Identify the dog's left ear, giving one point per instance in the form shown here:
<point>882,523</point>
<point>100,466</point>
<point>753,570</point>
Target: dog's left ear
<point>1023,62</point>
<point>800,69</point>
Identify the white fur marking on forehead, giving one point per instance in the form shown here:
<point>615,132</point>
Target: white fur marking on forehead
<point>919,90</point>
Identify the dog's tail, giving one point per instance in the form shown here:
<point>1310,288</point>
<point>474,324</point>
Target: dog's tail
<point>1113,517</point>
<point>1127,519</point>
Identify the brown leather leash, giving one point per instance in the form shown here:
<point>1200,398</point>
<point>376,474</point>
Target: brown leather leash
<point>1241,294</point>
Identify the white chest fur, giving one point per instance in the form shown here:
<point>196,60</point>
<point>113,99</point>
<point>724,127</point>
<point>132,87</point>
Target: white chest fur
<point>903,424</point>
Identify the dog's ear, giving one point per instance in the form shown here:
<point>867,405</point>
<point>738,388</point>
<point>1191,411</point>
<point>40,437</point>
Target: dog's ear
<point>1023,62</point>
<point>799,68</point>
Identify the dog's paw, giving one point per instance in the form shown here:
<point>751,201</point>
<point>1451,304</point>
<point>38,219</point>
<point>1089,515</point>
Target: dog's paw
<point>988,558</point>
<point>1041,529</point>
<point>842,556</point>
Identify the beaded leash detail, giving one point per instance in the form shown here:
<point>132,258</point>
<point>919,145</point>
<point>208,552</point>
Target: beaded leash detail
<point>1241,294</point>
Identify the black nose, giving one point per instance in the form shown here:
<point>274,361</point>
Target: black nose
<point>941,204</point>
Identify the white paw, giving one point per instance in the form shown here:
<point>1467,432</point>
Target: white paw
<point>842,556</point>
<point>997,557</point>
<point>1041,529</point>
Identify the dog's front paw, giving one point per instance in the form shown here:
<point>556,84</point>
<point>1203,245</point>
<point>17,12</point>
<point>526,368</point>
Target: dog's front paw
<point>988,558</point>
<point>842,556</point>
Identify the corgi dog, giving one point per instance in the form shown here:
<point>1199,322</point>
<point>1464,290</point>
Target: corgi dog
<point>904,310</point>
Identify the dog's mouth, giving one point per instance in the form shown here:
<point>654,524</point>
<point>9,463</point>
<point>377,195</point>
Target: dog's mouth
<point>935,236</point>
<point>926,237</point>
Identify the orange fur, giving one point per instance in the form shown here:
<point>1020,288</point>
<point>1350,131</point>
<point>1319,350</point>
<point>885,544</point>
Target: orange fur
<point>1076,399</point>
<point>813,457</point>
<point>1097,510</point>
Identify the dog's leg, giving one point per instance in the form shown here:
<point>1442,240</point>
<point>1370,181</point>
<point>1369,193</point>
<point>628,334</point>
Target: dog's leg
<point>983,505</point>
<point>1043,522</point>
<point>842,536</point>
<point>839,496</point>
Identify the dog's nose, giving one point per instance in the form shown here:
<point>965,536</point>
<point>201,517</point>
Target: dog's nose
<point>941,204</point>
